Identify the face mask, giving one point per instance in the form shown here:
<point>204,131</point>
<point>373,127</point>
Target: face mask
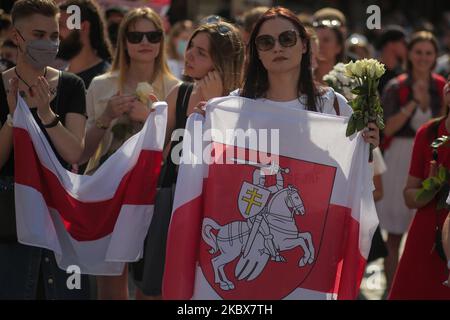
<point>113,30</point>
<point>40,53</point>
<point>181,47</point>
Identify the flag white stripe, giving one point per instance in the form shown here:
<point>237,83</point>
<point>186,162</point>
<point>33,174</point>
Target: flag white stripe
<point>104,182</point>
<point>39,226</point>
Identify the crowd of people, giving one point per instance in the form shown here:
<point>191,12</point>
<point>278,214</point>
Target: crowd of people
<point>81,85</point>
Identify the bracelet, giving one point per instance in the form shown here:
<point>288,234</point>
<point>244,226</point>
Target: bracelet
<point>52,124</point>
<point>100,125</point>
<point>9,120</point>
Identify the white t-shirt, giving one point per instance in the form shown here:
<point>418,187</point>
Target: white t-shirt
<point>326,103</point>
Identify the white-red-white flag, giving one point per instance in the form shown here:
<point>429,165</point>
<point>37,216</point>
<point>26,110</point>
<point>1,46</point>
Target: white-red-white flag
<point>97,222</point>
<point>300,230</point>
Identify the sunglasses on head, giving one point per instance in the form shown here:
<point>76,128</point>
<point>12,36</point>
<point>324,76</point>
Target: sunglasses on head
<point>286,39</point>
<point>137,36</point>
<point>330,23</point>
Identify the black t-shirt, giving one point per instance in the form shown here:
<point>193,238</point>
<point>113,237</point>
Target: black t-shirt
<point>89,74</point>
<point>70,98</point>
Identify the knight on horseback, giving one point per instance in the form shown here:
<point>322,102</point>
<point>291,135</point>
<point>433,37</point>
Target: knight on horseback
<point>259,223</point>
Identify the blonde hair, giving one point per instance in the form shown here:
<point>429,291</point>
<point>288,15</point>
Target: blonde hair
<point>226,50</point>
<point>121,60</point>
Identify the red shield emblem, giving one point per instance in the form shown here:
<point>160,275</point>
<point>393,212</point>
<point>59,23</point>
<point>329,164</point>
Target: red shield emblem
<point>294,220</point>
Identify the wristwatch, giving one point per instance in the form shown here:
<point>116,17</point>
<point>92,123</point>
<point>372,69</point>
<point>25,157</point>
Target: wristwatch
<point>9,120</point>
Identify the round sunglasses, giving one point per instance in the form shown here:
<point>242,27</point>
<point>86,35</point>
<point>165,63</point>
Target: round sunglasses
<point>135,37</point>
<point>267,42</point>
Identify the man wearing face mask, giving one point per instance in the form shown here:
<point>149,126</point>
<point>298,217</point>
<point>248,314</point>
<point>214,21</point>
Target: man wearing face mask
<point>87,50</point>
<point>176,46</point>
<point>114,16</point>
<point>57,103</point>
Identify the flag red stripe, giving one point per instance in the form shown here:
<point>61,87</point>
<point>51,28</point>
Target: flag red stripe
<point>86,221</point>
<point>183,245</point>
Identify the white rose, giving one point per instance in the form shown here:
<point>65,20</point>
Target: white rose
<point>380,70</point>
<point>143,90</point>
<point>349,69</point>
<point>359,68</point>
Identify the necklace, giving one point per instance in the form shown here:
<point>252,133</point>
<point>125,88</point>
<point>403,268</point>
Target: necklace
<point>21,92</point>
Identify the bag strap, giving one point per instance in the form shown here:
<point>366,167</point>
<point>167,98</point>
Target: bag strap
<point>336,105</point>
<point>184,93</point>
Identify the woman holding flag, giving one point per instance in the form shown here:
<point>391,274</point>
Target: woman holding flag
<point>114,111</point>
<point>279,69</point>
<point>213,61</point>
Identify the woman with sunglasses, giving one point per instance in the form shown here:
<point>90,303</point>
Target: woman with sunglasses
<point>424,265</point>
<point>115,113</point>
<point>213,60</point>
<point>278,69</point>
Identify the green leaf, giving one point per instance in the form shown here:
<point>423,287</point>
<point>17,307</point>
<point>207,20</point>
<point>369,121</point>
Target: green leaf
<point>442,173</point>
<point>425,196</point>
<point>351,127</point>
<point>361,90</point>
<point>360,125</point>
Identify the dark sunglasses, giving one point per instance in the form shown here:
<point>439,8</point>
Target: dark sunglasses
<point>152,36</point>
<point>286,39</point>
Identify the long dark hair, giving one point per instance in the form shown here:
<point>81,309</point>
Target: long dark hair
<point>98,37</point>
<point>256,82</point>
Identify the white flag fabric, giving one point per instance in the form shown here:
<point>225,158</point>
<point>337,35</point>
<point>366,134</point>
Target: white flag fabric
<point>97,222</point>
<point>296,227</point>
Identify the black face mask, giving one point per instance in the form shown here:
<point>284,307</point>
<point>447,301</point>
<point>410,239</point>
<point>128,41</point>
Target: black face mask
<point>70,47</point>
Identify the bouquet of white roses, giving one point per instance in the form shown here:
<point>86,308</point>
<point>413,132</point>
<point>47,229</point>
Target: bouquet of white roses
<point>366,105</point>
<point>340,82</point>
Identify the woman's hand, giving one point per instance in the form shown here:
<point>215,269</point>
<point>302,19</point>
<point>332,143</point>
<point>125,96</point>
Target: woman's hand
<point>372,135</point>
<point>211,86</point>
<point>12,95</point>
<point>117,106</point>
<point>140,111</point>
<point>200,108</point>
<point>433,169</point>
<point>40,98</point>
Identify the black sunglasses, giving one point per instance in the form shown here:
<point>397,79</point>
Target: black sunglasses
<point>266,42</point>
<point>152,36</point>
